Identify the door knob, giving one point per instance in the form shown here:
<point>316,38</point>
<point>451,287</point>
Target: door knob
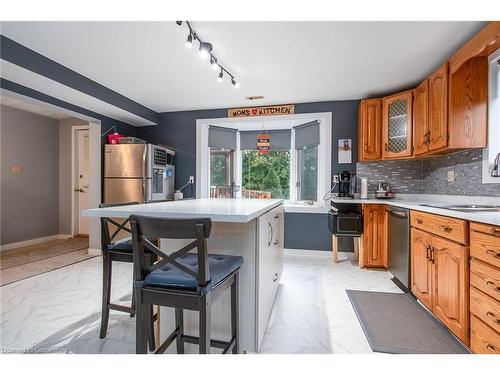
<point>80,190</point>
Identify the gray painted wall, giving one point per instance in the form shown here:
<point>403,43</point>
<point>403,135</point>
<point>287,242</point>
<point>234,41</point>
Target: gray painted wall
<point>178,130</point>
<point>30,203</point>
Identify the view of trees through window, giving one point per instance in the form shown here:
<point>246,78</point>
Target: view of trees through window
<point>267,173</point>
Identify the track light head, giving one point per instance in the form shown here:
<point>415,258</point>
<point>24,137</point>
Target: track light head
<point>235,83</point>
<point>205,49</point>
<point>221,74</point>
<point>213,63</point>
<point>189,41</point>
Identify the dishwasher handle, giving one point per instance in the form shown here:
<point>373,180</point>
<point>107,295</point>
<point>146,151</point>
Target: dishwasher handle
<point>397,213</point>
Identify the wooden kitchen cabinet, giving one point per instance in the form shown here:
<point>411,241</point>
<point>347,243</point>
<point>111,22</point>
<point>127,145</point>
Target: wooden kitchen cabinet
<point>421,118</point>
<point>485,288</point>
<point>451,285</point>
<point>440,269</point>
<point>421,267</point>
<point>397,126</point>
<point>370,129</point>
<point>374,236</point>
<point>438,109</point>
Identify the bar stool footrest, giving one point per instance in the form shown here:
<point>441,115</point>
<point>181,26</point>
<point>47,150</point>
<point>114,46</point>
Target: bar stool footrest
<point>227,346</point>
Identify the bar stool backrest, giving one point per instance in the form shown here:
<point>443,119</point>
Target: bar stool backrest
<point>147,232</point>
<point>119,227</point>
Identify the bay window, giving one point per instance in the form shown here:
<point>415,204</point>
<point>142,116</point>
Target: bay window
<point>296,168</point>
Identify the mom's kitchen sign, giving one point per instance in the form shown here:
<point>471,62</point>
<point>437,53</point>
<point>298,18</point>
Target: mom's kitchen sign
<point>261,111</point>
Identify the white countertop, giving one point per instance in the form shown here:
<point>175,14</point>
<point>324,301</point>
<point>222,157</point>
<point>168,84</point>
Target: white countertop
<point>219,210</point>
<point>416,204</point>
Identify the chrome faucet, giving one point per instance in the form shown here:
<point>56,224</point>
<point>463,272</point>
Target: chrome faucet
<point>495,172</point>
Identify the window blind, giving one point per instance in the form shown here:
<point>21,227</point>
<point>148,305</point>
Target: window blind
<point>307,134</point>
<point>222,137</point>
<point>280,139</point>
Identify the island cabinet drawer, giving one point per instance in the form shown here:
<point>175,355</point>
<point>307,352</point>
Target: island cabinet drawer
<point>268,288</point>
<point>486,229</point>
<point>444,226</point>
<point>483,340</point>
<point>484,245</point>
<point>485,278</point>
<point>486,308</point>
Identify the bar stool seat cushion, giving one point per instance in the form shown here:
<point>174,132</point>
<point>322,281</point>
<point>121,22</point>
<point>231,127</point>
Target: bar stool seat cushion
<point>125,245</point>
<point>169,276</point>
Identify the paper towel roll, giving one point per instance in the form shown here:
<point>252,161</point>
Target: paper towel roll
<point>364,188</point>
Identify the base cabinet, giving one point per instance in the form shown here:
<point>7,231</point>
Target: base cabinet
<point>374,236</point>
<point>421,267</point>
<point>451,285</point>
<point>440,278</point>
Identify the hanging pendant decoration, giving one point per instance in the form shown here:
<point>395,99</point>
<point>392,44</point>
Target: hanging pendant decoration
<point>263,142</point>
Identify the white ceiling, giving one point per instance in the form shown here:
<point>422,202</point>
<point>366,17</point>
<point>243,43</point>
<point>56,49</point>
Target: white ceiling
<point>39,109</point>
<point>286,62</point>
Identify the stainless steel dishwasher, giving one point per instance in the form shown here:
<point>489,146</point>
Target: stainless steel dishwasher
<point>398,246</point>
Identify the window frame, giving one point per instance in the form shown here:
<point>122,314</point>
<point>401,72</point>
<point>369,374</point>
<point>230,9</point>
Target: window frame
<point>492,149</point>
<point>271,123</point>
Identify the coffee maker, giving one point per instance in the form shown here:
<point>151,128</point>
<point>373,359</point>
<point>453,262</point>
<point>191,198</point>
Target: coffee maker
<point>347,184</point>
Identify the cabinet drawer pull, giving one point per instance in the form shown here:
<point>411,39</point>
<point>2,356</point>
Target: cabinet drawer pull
<point>490,347</point>
<point>276,242</point>
<point>494,253</point>
<point>419,220</point>
<point>495,232</point>
<point>491,315</point>
<point>427,250</point>
<point>445,228</point>
<point>432,254</point>
<point>492,284</point>
<point>276,216</point>
<point>276,277</point>
<point>269,226</point>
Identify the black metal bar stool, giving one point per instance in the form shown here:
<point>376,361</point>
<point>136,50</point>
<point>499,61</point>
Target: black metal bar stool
<point>119,250</point>
<point>182,280</point>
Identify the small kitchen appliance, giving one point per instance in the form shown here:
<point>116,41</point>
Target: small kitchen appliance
<point>347,185</point>
<point>384,191</point>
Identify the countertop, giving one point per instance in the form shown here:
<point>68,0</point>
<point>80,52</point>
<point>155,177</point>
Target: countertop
<point>416,204</point>
<point>219,210</point>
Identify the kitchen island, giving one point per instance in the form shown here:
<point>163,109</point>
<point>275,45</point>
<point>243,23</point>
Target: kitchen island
<point>252,228</point>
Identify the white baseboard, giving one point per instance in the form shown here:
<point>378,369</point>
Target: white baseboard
<point>320,253</point>
<point>34,241</point>
<point>95,251</point>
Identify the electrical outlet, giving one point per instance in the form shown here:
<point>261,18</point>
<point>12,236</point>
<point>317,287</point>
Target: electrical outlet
<point>451,176</point>
<point>336,178</point>
<point>191,179</point>
<point>17,169</point>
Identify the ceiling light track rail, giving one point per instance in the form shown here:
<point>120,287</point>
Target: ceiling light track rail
<point>205,49</point>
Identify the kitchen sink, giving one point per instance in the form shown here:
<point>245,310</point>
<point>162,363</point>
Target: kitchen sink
<point>465,207</point>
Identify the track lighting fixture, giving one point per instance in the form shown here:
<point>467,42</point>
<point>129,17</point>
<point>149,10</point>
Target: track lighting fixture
<point>205,50</point>
<point>213,63</point>
<point>189,41</point>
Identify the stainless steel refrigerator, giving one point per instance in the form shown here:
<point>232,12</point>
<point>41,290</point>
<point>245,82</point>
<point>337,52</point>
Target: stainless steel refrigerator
<point>138,172</point>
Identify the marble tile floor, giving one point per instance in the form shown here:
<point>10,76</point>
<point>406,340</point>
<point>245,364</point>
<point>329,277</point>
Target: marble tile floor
<point>59,311</point>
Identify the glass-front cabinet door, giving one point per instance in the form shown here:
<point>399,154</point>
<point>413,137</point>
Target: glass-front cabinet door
<point>397,126</point>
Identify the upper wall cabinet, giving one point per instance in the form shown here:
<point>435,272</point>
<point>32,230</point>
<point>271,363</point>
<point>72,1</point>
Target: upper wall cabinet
<point>430,113</point>
<point>447,112</point>
<point>370,129</point>
<point>397,126</point>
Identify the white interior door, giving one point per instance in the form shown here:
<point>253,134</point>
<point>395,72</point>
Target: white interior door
<point>82,180</point>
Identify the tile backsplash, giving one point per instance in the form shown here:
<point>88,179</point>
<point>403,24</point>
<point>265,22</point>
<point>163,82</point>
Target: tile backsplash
<point>429,176</point>
<point>405,176</point>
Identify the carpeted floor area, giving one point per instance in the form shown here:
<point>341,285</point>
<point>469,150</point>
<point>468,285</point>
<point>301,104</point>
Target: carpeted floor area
<point>28,261</point>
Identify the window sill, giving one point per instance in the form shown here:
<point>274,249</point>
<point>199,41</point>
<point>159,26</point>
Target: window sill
<point>306,208</point>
